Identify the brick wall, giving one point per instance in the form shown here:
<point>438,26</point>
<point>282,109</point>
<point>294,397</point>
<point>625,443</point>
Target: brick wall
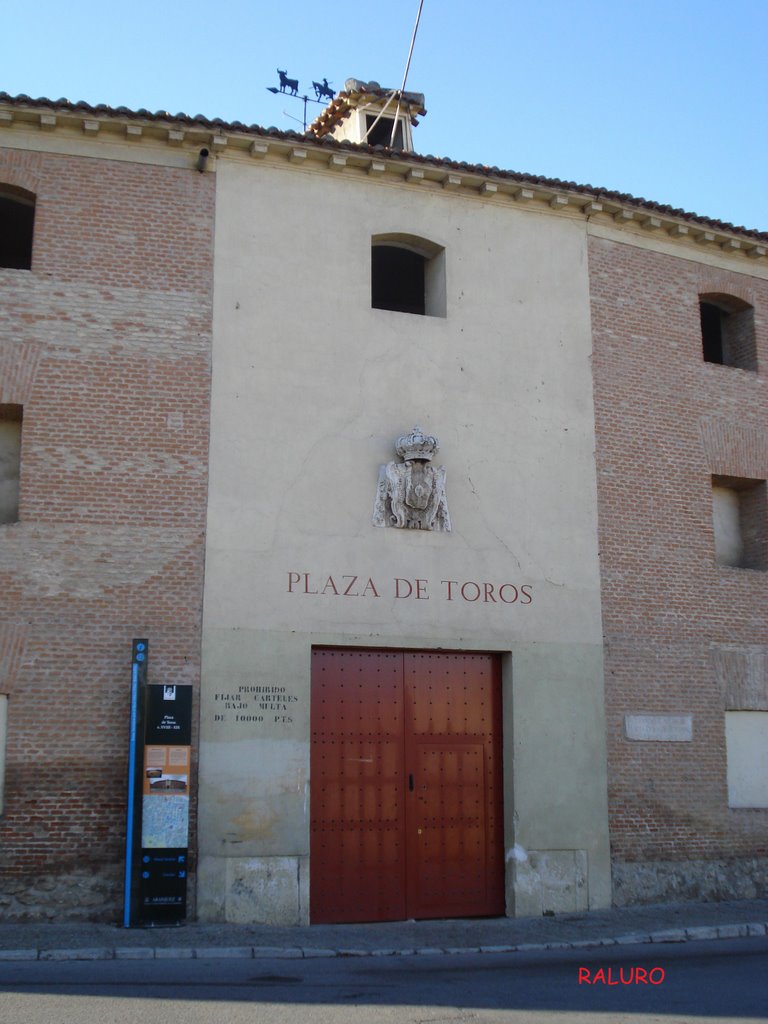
<point>667,422</point>
<point>106,344</point>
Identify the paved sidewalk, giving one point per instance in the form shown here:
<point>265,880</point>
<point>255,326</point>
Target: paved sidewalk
<point>652,924</point>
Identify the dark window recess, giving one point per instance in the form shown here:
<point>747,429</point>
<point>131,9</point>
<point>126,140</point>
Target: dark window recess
<point>397,279</point>
<point>728,332</point>
<point>17,218</point>
<point>382,133</point>
<point>10,461</point>
<point>711,332</point>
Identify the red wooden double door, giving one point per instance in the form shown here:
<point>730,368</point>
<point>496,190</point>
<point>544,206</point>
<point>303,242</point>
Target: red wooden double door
<point>406,786</point>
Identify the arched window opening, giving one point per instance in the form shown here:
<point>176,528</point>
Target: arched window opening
<point>728,331</point>
<point>408,275</point>
<point>17,218</point>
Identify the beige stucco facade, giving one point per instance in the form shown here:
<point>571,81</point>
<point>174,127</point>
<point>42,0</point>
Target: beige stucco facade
<point>311,387</point>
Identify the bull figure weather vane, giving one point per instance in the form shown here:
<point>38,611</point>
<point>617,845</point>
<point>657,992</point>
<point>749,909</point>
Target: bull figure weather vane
<point>290,87</point>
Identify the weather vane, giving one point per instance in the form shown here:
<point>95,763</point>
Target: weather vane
<point>290,87</point>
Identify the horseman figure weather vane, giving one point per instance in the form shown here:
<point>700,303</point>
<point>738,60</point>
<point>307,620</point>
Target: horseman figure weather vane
<point>290,87</point>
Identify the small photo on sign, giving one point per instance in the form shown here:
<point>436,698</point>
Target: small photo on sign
<point>175,783</point>
<point>166,770</point>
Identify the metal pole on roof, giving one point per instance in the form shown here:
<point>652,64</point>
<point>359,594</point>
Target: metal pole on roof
<point>405,75</point>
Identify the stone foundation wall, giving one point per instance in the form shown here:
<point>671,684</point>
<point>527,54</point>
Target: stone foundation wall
<point>78,896</point>
<point>690,880</point>
<point>81,895</point>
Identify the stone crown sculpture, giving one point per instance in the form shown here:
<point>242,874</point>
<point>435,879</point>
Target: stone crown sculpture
<point>417,445</point>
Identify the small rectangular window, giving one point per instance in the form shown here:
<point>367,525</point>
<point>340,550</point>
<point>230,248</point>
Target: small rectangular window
<point>10,462</point>
<point>397,279</point>
<point>728,331</point>
<point>408,275</point>
<point>746,742</point>
<point>382,133</point>
<point>711,332</point>
<point>17,218</point>
<point>740,521</point>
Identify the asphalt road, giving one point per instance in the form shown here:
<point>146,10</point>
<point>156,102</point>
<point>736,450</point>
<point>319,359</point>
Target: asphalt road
<point>713,982</point>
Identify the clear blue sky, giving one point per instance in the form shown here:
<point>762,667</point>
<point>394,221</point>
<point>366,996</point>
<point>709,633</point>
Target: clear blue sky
<point>664,100</point>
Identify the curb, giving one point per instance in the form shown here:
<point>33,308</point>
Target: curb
<point>669,935</point>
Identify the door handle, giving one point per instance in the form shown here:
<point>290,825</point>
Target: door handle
<point>410,782</point>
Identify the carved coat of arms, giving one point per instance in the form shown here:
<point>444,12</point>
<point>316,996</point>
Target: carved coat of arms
<point>411,493</point>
